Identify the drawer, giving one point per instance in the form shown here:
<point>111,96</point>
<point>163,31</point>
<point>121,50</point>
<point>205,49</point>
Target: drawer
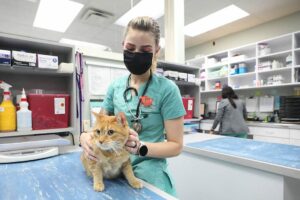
<point>295,134</point>
<point>206,126</point>
<point>252,130</point>
<point>271,139</point>
<point>271,132</point>
<point>295,142</point>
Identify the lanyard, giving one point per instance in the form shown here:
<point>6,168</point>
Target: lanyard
<point>136,93</point>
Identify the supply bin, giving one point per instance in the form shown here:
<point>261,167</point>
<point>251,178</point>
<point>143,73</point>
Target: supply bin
<point>49,110</point>
<point>188,103</point>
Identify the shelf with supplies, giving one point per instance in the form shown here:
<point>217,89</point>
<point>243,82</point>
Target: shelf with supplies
<point>275,70</point>
<point>36,132</point>
<point>187,78</point>
<point>46,71</point>
<point>255,88</point>
<point>270,62</point>
<point>281,54</point>
<point>34,70</point>
<point>243,75</point>
<point>246,60</point>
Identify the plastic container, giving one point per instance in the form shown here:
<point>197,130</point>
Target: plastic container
<point>24,116</point>
<point>242,68</point>
<point>7,114</point>
<point>7,110</point>
<point>49,110</point>
<point>188,103</point>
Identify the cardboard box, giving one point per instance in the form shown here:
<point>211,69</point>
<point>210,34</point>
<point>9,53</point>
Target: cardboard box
<point>20,58</point>
<point>5,57</point>
<point>47,61</point>
<point>191,78</point>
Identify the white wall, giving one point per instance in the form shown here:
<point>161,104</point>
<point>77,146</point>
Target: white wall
<point>271,29</point>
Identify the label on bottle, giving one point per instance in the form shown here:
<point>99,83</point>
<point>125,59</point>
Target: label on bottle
<point>1,109</point>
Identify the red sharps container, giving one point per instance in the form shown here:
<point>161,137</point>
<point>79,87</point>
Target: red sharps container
<point>49,111</point>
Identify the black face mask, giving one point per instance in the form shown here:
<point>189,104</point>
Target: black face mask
<point>137,63</point>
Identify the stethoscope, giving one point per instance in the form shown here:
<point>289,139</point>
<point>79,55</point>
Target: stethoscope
<point>137,126</point>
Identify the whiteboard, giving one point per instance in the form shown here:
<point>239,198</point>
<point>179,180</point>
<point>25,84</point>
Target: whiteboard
<point>117,73</point>
<point>100,77</point>
<point>98,80</point>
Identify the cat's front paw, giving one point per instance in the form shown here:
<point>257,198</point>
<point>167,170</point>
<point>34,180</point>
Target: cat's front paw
<point>136,184</point>
<point>99,187</point>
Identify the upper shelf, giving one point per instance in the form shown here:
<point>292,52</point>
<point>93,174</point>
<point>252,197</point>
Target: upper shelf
<point>64,52</point>
<point>175,66</point>
<point>255,88</point>
<point>33,70</point>
<point>35,132</point>
<point>248,62</point>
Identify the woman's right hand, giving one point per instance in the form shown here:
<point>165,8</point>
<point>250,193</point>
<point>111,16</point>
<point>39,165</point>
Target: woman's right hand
<point>86,144</point>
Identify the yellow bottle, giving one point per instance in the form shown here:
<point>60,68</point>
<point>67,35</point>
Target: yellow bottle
<point>7,112</point>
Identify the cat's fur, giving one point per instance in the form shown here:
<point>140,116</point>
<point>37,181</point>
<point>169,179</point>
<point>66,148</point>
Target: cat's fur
<point>110,134</point>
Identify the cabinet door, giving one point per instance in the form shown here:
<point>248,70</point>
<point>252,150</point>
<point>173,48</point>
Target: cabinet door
<point>271,139</point>
<point>295,137</point>
<point>252,130</point>
<point>295,142</point>
<point>205,126</point>
<point>271,132</point>
<point>295,134</point>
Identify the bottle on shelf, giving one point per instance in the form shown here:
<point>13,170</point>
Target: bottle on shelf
<point>276,117</point>
<point>288,60</point>
<point>218,85</point>
<point>7,110</point>
<point>24,116</point>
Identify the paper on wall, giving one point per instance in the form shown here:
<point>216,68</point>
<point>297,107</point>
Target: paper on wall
<point>117,73</point>
<point>98,80</point>
<point>251,104</point>
<point>266,104</point>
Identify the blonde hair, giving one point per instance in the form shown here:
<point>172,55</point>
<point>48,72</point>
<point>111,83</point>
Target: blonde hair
<point>147,24</point>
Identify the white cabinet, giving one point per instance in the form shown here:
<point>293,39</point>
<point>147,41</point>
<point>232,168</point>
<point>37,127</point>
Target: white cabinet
<point>276,135</point>
<point>295,137</point>
<point>271,139</point>
<point>31,78</point>
<point>295,134</point>
<point>272,132</point>
<point>187,88</point>
<point>268,134</point>
<point>268,63</point>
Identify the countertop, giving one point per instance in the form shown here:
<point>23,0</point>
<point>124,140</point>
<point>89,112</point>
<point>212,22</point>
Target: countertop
<point>263,124</point>
<point>275,158</point>
<point>63,177</point>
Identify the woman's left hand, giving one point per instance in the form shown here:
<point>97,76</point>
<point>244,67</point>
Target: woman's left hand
<point>133,143</point>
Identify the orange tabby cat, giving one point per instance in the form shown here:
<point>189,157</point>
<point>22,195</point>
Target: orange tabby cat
<point>110,134</point>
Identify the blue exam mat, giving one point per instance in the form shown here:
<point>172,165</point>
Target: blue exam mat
<point>61,177</point>
<point>279,154</point>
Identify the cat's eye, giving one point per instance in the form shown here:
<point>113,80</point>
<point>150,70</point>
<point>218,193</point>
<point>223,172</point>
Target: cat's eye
<point>98,131</point>
<point>110,132</point>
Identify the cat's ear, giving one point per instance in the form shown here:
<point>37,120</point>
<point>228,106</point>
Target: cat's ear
<point>97,115</point>
<point>121,119</point>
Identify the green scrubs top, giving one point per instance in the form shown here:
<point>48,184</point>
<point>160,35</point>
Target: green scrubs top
<point>166,104</point>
